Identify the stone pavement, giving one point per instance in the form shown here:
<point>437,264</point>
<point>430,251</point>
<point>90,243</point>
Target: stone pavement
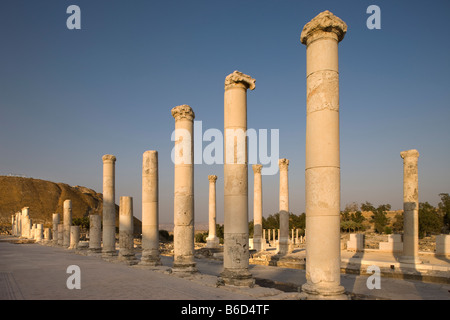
<point>39,272</point>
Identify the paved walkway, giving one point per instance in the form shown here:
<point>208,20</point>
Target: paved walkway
<point>34,271</point>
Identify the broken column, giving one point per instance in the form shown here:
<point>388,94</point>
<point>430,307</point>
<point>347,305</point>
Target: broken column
<point>283,239</point>
<point>126,231</point>
<point>26,223</point>
<point>236,250</point>
<point>95,234</point>
<point>61,234</point>
<point>150,210</point>
<point>39,232</point>
<point>184,190</point>
<point>322,164</point>
<point>410,207</point>
<point>67,220</point>
<point>55,223</point>
<point>109,206</point>
<point>258,243</point>
<point>74,237</point>
<point>212,241</point>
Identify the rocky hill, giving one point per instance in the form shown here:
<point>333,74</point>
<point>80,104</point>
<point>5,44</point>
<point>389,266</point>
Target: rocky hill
<point>45,198</point>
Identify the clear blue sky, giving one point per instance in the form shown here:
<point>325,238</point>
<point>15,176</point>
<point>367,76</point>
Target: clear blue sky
<point>67,97</point>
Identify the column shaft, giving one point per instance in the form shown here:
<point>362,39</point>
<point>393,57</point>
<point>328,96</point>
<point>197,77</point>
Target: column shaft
<point>236,244</point>
<point>67,222</point>
<point>150,213</point>
<point>258,243</point>
<point>322,165</point>
<point>109,206</point>
<point>184,190</point>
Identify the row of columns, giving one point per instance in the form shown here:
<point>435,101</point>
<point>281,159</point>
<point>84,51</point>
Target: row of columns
<point>322,179</point>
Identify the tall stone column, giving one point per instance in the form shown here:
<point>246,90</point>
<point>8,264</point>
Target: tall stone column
<point>236,244</point>
<point>322,164</point>
<point>258,244</point>
<point>150,210</point>
<point>67,222</point>
<point>55,222</point>
<point>109,206</point>
<point>95,234</point>
<point>410,207</point>
<point>126,231</point>
<point>184,190</point>
<point>283,240</point>
<point>212,241</point>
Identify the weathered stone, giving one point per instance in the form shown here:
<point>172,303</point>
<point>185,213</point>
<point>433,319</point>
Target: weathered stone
<point>109,206</point>
<point>150,211</point>
<point>212,241</point>
<point>322,164</point>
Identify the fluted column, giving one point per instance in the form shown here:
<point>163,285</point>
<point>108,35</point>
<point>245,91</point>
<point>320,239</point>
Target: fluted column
<point>109,206</point>
<point>258,244</point>
<point>150,210</point>
<point>236,245</point>
<point>67,220</point>
<point>212,241</point>
<point>283,240</point>
<point>184,190</point>
<point>322,165</point>
<point>410,207</point>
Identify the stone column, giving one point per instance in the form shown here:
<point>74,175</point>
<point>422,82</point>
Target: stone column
<point>184,190</point>
<point>39,232</point>
<point>109,206</point>
<point>55,221</point>
<point>60,234</point>
<point>212,241</point>
<point>67,222</point>
<point>322,164</point>
<point>236,249</point>
<point>257,208</point>
<point>74,237</point>
<point>126,231</point>
<point>95,234</point>
<point>150,210</point>
<point>26,222</point>
<point>47,235</point>
<point>410,207</point>
<point>283,239</point>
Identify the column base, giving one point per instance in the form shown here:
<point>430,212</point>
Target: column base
<point>212,242</point>
<point>237,277</point>
<point>409,260</point>
<point>184,268</point>
<point>128,259</point>
<point>107,255</point>
<point>315,292</point>
<point>150,261</point>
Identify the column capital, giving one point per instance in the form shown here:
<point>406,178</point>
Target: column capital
<point>109,158</point>
<point>212,178</point>
<point>324,22</point>
<point>238,77</point>
<point>283,164</point>
<point>257,168</point>
<point>413,153</point>
<point>183,112</point>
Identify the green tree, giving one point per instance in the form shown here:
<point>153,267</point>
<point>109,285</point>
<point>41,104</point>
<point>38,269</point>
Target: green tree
<point>397,226</point>
<point>367,206</point>
<point>429,220</point>
<point>379,217</point>
<point>444,208</point>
